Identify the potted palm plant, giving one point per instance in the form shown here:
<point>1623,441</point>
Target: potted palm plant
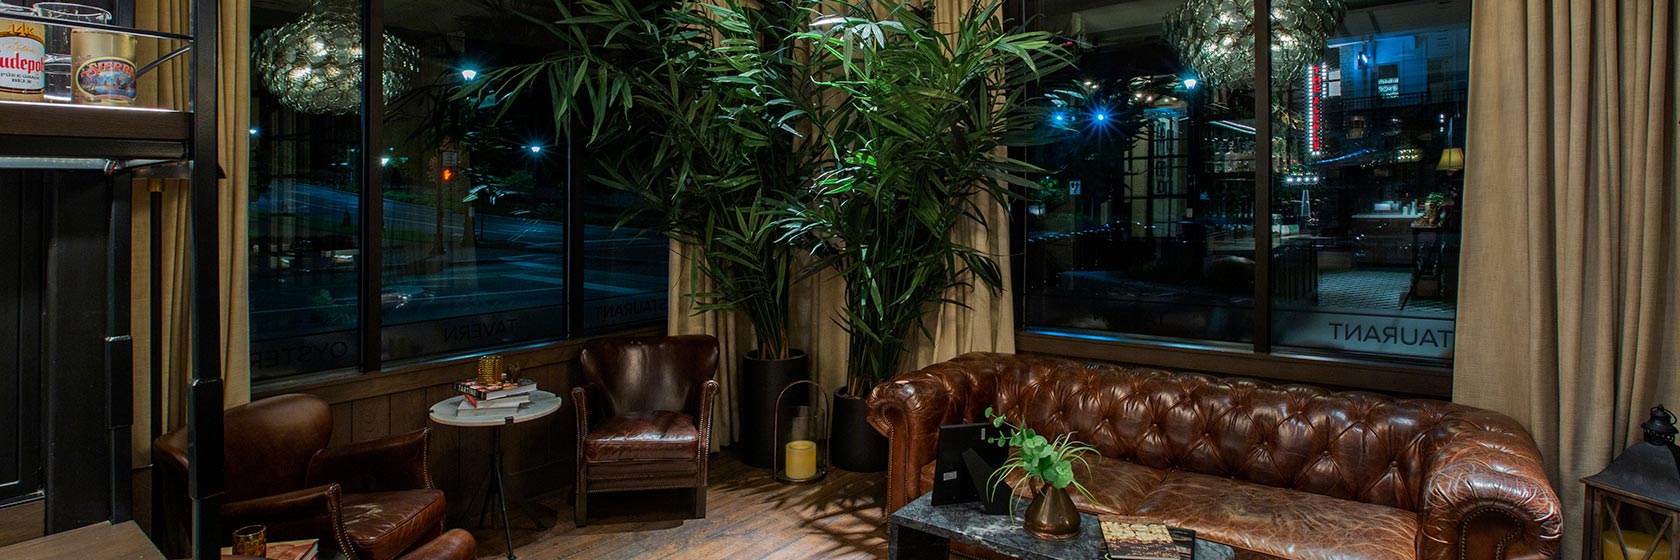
<point>696,108</point>
<point>918,152</point>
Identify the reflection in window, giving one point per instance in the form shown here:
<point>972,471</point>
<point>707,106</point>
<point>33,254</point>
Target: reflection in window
<point>1146,223</point>
<point>1371,149</point>
<point>1148,227</point>
<point>306,174</point>
<point>474,198</point>
<point>475,206</point>
<point>624,274</point>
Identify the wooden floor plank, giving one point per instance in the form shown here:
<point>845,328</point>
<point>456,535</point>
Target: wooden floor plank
<point>749,516</point>
<point>122,541</point>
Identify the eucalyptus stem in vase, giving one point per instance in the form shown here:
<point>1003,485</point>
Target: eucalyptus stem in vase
<point>1046,466</point>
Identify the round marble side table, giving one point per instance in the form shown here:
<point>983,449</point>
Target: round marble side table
<point>543,403</point>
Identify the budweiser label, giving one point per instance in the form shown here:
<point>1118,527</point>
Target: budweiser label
<point>22,70</point>
<point>104,67</point>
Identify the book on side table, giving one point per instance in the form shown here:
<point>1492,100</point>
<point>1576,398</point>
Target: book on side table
<point>306,549</point>
<point>1142,538</point>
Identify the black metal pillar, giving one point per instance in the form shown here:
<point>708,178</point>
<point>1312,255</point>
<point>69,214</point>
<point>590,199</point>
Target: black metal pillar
<point>1262,176</point>
<point>204,399</point>
<point>372,199</point>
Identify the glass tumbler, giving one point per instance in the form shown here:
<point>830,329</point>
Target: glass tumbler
<point>251,540</point>
<point>58,43</point>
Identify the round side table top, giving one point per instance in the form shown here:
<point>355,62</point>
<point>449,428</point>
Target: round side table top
<point>543,403</point>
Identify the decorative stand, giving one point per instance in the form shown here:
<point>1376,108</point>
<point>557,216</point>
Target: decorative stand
<point>543,403</point>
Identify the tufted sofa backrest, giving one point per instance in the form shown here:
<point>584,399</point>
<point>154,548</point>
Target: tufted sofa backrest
<point>1351,445</point>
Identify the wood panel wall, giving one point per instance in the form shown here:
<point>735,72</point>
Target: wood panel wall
<point>539,454</point>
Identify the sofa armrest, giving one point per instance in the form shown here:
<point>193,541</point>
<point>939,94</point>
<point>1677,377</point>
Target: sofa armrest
<point>1485,493</point>
<point>397,462</point>
<point>910,408</point>
<point>311,513</point>
<point>457,544</point>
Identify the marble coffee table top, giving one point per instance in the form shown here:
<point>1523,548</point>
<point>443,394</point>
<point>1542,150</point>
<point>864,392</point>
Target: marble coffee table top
<point>966,523</point>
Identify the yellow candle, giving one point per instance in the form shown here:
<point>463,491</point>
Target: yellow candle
<point>1638,546</point>
<point>800,460</point>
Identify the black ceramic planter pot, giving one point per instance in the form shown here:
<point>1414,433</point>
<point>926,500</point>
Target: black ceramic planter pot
<point>857,446</point>
<point>760,382</point>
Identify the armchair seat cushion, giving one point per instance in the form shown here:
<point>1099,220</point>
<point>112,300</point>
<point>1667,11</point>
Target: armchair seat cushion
<point>655,435</point>
<point>1280,522</point>
<point>381,525</point>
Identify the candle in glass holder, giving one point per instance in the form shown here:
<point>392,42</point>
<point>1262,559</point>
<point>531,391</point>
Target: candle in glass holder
<point>1639,546</point>
<point>251,540</point>
<point>800,460</point>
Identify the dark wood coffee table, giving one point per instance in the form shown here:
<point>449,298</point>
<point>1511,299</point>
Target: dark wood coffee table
<point>921,530</point>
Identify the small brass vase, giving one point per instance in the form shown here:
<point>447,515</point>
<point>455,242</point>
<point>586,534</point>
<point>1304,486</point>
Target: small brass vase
<point>1051,515</point>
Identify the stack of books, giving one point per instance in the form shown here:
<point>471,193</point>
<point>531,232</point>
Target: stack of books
<point>494,399</point>
<point>1139,538</point>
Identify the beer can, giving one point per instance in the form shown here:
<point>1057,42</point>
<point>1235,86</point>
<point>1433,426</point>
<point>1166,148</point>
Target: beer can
<point>23,71</point>
<point>102,67</point>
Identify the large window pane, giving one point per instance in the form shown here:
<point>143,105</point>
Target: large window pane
<point>305,176</point>
<point>475,244</point>
<point>624,264</point>
<point>1368,193</point>
<point>1146,224</point>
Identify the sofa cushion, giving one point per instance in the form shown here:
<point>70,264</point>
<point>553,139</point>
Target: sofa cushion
<point>1118,486</point>
<point>381,525</point>
<point>1281,522</point>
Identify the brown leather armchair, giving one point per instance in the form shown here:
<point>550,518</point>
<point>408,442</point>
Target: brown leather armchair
<point>644,419</point>
<point>373,500</point>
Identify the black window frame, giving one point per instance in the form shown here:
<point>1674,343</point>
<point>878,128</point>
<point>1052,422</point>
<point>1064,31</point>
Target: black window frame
<point>1395,374</point>
<point>370,263</point>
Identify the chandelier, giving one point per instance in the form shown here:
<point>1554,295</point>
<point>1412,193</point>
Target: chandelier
<point>1216,37</point>
<point>314,64</point>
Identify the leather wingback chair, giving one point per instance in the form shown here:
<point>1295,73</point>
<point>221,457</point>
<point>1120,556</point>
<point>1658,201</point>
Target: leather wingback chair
<point>372,500</point>
<point>644,418</point>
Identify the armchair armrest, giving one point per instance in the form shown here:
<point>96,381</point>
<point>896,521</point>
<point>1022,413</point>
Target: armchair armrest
<point>310,513</point>
<point>589,402</point>
<point>397,462</point>
<point>1485,493</point>
<point>708,392</point>
<point>457,544</point>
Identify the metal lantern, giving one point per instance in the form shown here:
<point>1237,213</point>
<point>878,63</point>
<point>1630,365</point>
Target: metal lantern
<point>801,450</point>
<point>1633,506</point>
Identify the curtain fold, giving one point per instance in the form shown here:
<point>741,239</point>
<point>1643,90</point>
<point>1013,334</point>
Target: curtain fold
<point>1572,227</point>
<point>168,86</point>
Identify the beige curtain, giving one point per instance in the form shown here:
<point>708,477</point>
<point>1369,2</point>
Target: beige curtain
<point>1572,229</point>
<point>987,324</point>
<point>167,86</point>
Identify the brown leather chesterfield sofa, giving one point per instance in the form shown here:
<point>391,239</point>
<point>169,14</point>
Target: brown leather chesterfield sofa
<point>1275,471</point>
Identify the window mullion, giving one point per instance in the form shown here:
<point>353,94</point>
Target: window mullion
<point>371,200</point>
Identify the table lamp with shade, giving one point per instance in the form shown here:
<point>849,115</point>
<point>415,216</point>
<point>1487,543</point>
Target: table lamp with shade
<point>1452,159</point>
<point>1633,505</point>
